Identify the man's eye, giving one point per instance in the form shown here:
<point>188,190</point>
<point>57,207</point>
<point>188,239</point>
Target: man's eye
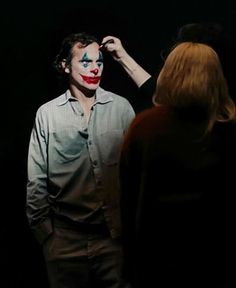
<point>85,64</point>
<point>100,63</point>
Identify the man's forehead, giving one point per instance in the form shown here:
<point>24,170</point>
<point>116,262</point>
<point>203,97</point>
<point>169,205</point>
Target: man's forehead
<point>90,51</point>
<point>90,47</point>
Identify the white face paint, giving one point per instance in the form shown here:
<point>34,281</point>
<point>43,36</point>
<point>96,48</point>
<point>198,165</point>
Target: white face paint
<point>86,66</point>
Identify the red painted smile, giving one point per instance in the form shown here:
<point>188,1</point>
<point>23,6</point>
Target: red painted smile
<point>91,80</point>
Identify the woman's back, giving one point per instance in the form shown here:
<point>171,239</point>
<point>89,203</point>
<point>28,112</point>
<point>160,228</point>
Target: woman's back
<point>181,184</point>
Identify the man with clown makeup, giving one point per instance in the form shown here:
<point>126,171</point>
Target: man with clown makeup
<point>72,200</point>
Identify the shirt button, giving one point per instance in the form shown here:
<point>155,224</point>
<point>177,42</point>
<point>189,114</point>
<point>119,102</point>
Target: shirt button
<point>95,162</point>
<point>90,142</point>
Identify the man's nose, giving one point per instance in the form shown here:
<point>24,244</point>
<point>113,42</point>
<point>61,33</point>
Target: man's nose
<point>94,71</point>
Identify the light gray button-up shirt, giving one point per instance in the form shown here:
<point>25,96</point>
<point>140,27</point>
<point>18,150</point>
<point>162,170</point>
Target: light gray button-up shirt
<point>73,164</point>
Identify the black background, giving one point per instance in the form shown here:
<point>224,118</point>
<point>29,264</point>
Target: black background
<point>30,38</point>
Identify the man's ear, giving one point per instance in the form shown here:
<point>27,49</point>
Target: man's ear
<point>64,66</point>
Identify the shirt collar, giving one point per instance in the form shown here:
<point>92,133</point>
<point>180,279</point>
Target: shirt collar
<point>102,96</point>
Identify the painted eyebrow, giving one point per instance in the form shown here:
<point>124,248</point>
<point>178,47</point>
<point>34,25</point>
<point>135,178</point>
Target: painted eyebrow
<point>89,61</point>
<point>85,58</point>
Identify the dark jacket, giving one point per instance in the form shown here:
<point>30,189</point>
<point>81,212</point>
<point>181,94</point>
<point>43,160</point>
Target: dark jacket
<point>177,200</point>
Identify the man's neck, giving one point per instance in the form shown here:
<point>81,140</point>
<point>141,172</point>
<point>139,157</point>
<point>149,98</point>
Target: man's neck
<point>86,99</point>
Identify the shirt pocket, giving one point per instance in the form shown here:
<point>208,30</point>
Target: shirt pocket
<point>110,146</point>
<point>66,145</point>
